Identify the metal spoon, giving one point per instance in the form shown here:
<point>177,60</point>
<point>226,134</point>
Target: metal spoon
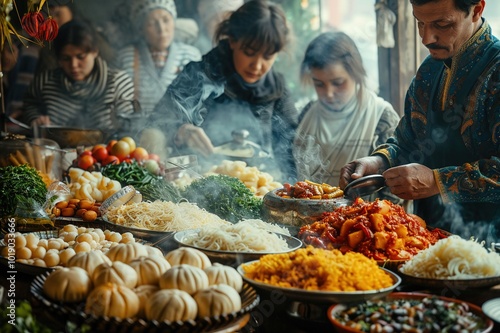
<point>364,186</point>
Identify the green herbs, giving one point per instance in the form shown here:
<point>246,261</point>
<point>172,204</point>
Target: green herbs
<point>159,189</point>
<point>128,174</point>
<point>224,196</point>
<point>17,182</point>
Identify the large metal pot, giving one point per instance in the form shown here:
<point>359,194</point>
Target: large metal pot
<point>297,212</point>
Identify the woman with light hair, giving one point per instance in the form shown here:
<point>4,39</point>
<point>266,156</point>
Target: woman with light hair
<point>154,59</point>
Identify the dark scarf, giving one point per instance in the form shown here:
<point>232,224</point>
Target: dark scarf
<point>219,67</point>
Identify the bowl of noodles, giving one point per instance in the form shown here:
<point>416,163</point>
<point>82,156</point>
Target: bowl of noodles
<point>237,243</point>
<point>453,263</point>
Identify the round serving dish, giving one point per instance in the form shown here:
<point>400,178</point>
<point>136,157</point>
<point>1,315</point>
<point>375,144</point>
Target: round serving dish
<point>321,296</point>
<point>297,212</point>
<point>334,310</point>
<point>450,284</point>
<point>75,312</point>
<point>491,308</point>
<point>233,258</point>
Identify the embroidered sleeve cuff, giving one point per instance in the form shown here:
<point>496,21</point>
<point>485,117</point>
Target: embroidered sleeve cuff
<point>442,189</point>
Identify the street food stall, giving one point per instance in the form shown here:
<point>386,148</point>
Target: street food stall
<point>101,234</point>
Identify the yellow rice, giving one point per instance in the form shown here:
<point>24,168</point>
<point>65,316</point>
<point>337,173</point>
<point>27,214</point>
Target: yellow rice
<point>319,269</point>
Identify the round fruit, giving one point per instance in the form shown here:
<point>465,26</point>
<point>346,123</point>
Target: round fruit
<point>110,160</point>
<point>130,141</point>
<point>121,149</point>
<point>154,157</point>
<point>86,152</point>
<point>100,153</point>
<point>85,162</point>
<point>100,145</point>
<point>152,166</point>
<point>110,145</point>
<point>140,154</point>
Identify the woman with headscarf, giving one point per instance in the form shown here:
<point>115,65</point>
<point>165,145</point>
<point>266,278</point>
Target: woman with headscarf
<point>154,59</point>
<point>83,91</point>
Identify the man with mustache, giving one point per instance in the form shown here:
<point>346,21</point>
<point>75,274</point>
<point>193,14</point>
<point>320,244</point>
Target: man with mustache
<point>445,153</point>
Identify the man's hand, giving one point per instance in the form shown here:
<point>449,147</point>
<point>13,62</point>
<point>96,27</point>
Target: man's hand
<point>195,138</point>
<point>361,167</point>
<point>411,181</point>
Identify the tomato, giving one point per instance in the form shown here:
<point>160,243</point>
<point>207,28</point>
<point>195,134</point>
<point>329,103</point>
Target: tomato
<point>121,149</point>
<point>100,153</point>
<point>110,160</point>
<point>140,154</point>
<point>110,145</point>
<point>86,153</point>
<point>85,162</point>
<point>100,145</point>
<point>130,141</point>
<point>154,157</point>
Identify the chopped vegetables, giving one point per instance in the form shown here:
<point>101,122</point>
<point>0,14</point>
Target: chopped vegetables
<point>429,314</point>
<point>128,174</point>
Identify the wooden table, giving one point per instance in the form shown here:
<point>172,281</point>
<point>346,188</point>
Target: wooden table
<point>270,316</point>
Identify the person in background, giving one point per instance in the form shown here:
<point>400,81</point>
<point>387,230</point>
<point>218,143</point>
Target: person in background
<point>445,153</point>
<point>32,60</point>
<point>234,89</point>
<point>61,14</point>
<point>210,14</point>
<point>154,59</point>
<point>83,92</point>
<point>347,120</point>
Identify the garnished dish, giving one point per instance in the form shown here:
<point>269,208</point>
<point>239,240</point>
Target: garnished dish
<point>379,230</point>
<point>133,291</point>
<point>453,262</point>
<point>309,190</point>
<point>244,241</point>
<point>320,275</point>
<point>410,312</point>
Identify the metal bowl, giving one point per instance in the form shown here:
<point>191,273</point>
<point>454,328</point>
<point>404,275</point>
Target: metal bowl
<point>297,212</point>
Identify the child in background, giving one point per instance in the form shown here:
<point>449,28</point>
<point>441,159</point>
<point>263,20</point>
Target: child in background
<point>347,120</point>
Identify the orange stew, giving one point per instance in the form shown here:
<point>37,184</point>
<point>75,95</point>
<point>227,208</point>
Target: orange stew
<point>380,230</point>
<point>309,190</point>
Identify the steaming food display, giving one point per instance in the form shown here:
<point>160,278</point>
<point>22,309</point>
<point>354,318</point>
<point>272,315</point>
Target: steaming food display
<point>206,226</point>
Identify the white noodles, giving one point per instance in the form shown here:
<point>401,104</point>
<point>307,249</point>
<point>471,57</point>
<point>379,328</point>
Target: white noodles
<point>163,216</point>
<point>240,237</point>
<point>454,258</point>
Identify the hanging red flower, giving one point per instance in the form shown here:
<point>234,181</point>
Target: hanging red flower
<point>31,23</point>
<point>49,29</point>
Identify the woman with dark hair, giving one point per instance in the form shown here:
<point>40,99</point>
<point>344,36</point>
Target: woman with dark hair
<point>347,120</point>
<point>83,92</point>
<point>235,91</point>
